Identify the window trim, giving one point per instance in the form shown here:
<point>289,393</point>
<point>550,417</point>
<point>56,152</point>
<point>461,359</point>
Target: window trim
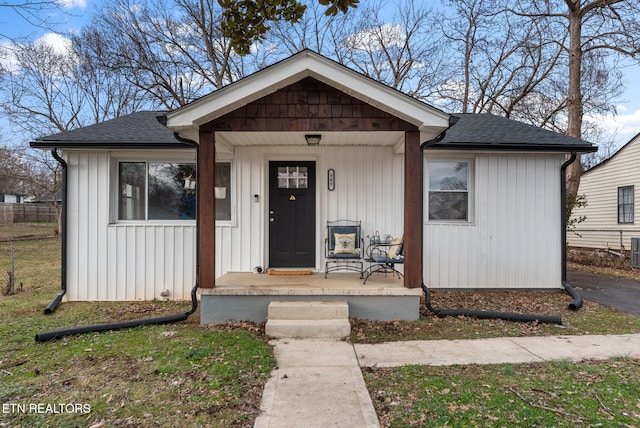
<point>621,205</point>
<point>114,180</point>
<point>231,192</point>
<point>470,160</point>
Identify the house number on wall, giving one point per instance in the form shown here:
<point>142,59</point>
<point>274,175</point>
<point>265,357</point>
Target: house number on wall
<point>331,179</point>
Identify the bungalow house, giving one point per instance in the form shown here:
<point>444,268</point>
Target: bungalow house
<point>279,154</point>
<point>612,191</point>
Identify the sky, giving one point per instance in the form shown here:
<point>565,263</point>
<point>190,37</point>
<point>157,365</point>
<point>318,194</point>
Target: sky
<point>74,13</point>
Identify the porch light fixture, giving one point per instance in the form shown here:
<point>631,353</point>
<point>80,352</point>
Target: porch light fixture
<point>313,139</point>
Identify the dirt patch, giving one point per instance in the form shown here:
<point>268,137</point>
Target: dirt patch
<point>601,261</point>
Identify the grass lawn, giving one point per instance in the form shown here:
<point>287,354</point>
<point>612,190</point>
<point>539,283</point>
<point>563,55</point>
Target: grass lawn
<point>190,375</point>
<point>180,374</point>
<point>10,231</point>
<point>553,394</point>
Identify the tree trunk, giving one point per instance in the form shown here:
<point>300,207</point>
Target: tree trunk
<point>574,98</point>
<point>58,217</point>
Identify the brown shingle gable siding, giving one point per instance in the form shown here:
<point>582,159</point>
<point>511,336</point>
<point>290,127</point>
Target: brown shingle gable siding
<point>309,105</point>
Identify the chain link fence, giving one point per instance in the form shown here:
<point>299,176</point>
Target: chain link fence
<point>29,256</point>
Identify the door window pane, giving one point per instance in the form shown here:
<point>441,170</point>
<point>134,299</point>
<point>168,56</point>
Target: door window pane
<point>293,177</point>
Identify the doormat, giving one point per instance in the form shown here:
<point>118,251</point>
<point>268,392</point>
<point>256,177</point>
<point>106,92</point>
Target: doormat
<point>289,272</point>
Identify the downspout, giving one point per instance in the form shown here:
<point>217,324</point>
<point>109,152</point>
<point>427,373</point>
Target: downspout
<point>577,298</point>
<point>63,237</point>
<point>507,316</point>
<point>169,319</point>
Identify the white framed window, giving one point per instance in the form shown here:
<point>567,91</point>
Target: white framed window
<point>163,189</point>
<point>449,189</point>
<point>160,190</point>
<point>625,204</point>
<point>223,193</point>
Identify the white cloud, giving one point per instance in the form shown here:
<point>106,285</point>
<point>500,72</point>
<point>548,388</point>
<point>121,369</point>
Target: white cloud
<point>60,44</point>
<point>8,58</point>
<point>73,4</point>
<point>373,39</point>
<point>621,127</point>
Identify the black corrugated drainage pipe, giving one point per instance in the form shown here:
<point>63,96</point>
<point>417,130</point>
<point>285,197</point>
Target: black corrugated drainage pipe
<point>168,319</point>
<point>507,316</point>
<point>63,237</point>
<point>577,298</point>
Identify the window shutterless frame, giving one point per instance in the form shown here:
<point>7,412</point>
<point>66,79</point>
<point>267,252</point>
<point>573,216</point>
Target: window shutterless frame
<point>626,196</point>
<point>449,186</point>
<point>149,191</point>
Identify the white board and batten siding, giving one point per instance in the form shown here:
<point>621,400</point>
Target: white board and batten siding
<point>368,187</point>
<point>600,186</point>
<point>107,260</point>
<point>513,237</point>
<point>513,240</point>
<point>111,260</point>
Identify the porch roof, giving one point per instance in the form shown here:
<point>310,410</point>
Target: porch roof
<point>188,119</point>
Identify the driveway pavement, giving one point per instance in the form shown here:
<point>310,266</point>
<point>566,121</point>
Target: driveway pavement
<point>620,293</point>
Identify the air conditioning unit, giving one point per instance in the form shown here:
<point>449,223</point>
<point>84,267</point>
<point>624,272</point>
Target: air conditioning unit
<point>635,252</point>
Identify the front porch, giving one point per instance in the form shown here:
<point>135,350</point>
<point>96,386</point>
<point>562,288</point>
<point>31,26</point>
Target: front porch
<point>246,296</point>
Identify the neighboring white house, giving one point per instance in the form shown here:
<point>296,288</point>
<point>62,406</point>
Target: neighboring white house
<point>612,191</point>
<point>477,197</point>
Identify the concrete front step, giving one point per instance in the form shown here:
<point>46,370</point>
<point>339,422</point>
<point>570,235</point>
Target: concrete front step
<point>308,319</point>
<point>306,329</point>
<point>308,310</point>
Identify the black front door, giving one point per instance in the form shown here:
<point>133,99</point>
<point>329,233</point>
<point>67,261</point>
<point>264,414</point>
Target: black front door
<point>292,214</point>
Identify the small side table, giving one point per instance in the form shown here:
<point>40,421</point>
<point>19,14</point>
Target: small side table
<point>376,255</point>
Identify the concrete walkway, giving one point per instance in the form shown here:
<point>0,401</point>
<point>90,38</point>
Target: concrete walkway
<point>318,383</point>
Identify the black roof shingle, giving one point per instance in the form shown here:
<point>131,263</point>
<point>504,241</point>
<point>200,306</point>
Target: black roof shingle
<point>469,131</point>
<point>137,130</point>
<point>484,131</point>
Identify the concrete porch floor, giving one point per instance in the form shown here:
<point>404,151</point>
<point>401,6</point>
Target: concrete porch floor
<point>246,296</point>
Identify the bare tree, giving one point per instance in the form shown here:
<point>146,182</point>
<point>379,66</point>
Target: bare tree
<point>509,64</point>
<point>171,49</point>
<point>36,13</point>
<point>37,94</point>
<point>107,94</point>
<point>597,29</point>
<point>314,30</point>
<point>399,49</point>
<point>245,22</point>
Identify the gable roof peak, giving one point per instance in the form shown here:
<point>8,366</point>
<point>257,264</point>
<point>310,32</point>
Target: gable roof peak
<point>306,63</point>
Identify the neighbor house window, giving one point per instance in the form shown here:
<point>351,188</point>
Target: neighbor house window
<point>156,191</point>
<point>448,190</point>
<point>625,204</point>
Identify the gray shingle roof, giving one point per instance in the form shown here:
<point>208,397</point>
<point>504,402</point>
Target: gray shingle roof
<point>484,131</point>
<point>470,132</point>
<point>137,130</point>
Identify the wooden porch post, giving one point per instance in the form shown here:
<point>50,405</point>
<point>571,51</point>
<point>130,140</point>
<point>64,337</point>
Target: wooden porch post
<point>207,210</point>
<point>412,210</point>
